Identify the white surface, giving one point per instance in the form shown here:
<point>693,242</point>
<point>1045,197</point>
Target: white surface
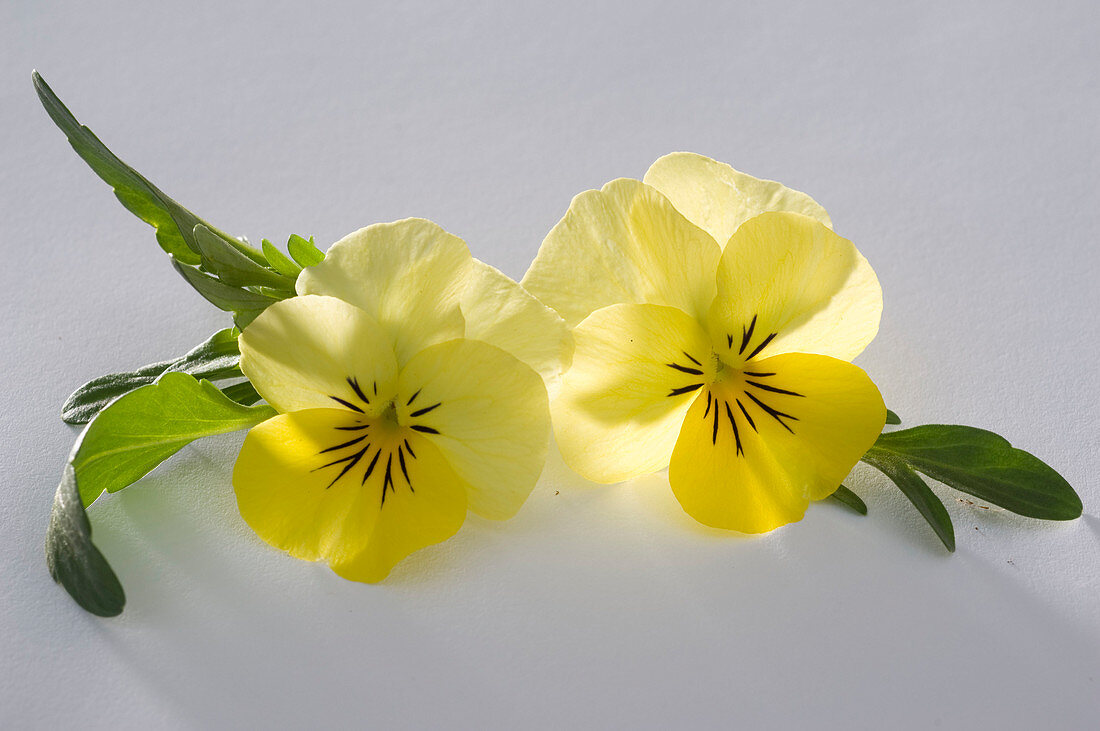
<point>955,144</point>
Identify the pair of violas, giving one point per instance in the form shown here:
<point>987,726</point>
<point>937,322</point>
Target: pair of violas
<point>701,320</point>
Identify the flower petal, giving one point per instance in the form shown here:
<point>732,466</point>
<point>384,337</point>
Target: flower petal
<point>500,312</point>
<point>314,352</point>
<point>487,413</point>
<point>294,491</point>
<point>718,199</point>
<point>756,447</point>
<point>623,400</point>
<point>407,275</point>
<point>786,284</point>
<point>623,244</point>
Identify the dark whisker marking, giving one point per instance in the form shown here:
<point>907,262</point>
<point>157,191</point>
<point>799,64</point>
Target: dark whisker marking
<point>409,449</point>
<point>714,430</point>
<point>707,412</point>
<point>426,409</point>
<point>746,413</point>
<point>729,340</point>
<point>387,481</point>
<point>404,469</point>
<point>736,434</point>
<point>347,404</point>
<point>345,444</point>
<point>762,345</point>
<point>425,429</point>
<point>354,459</point>
<point>688,356</point>
<point>773,389</point>
<point>685,389</point>
<point>746,335</point>
<point>413,397</point>
<point>354,383</point>
<point>370,467</point>
<point>685,369</point>
<point>357,427</point>
<point>376,388</point>
<point>777,415</point>
<point>757,375</point>
<point>342,459</point>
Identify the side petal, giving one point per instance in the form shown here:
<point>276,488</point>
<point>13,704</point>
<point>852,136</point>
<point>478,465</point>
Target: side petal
<point>500,312</point>
<point>623,244</point>
<point>758,446</point>
<point>634,374</point>
<point>787,284</point>
<point>318,352</point>
<point>286,492</point>
<point>718,199</point>
<point>487,413</point>
<point>408,275</point>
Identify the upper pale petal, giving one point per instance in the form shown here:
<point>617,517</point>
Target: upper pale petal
<point>625,243</point>
<point>487,413</point>
<point>635,368</point>
<point>787,284</point>
<point>315,352</point>
<point>500,312</point>
<point>718,199</point>
<point>756,447</point>
<point>408,275</point>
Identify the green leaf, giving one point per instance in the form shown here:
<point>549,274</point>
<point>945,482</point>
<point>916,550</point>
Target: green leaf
<point>846,497</point>
<point>146,426</point>
<point>72,558</point>
<point>243,393</point>
<point>234,268</point>
<point>174,223</point>
<point>214,359</point>
<point>892,418</point>
<point>985,465</point>
<point>279,261</point>
<point>221,295</point>
<point>304,252</point>
<point>918,492</point>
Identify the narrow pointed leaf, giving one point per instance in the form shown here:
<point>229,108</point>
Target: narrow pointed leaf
<point>849,499</point>
<point>243,393</point>
<point>174,224</point>
<point>304,252</point>
<point>918,492</point>
<point>220,294</point>
<point>72,558</point>
<point>146,426</point>
<point>892,418</point>
<point>214,359</point>
<point>232,267</point>
<point>985,465</point>
<point>279,261</point>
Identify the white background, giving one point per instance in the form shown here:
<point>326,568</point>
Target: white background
<point>956,144</point>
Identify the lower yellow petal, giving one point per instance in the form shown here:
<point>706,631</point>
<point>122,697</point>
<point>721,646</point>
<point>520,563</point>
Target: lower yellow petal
<point>757,446</point>
<point>635,368</point>
<point>360,493</point>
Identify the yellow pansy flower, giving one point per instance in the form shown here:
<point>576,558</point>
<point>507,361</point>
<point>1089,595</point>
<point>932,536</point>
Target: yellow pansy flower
<point>409,378</point>
<point>714,319</point>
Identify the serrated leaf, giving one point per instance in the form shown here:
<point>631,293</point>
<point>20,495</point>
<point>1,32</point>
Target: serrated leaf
<point>146,426</point>
<point>849,499</point>
<point>72,558</point>
<point>214,359</point>
<point>234,268</point>
<point>304,252</point>
<point>221,295</point>
<point>913,487</point>
<point>174,224</point>
<point>892,418</point>
<point>279,261</point>
<point>985,465</point>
